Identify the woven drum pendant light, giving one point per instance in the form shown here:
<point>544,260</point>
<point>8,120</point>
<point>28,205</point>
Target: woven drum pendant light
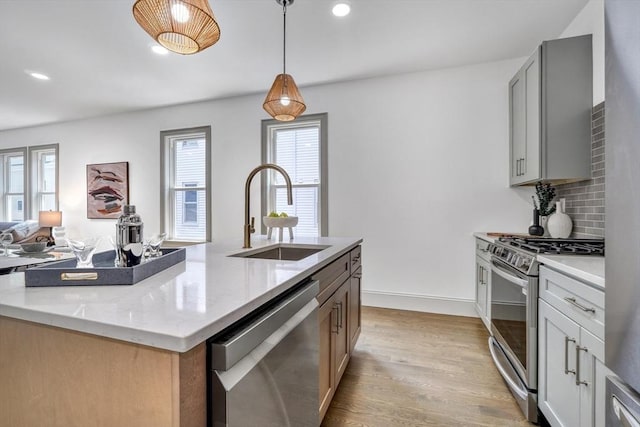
<point>284,102</point>
<point>182,26</point>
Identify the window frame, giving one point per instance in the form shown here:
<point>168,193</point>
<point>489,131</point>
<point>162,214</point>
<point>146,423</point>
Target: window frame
<point>4,182</point>
<point>269,126</point>
<point>167,191</point>
<point>35,182</point>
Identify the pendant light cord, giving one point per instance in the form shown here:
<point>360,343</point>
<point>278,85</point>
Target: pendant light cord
<point>284,37</point>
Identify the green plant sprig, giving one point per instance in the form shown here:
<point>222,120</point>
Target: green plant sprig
<point>545,193</point>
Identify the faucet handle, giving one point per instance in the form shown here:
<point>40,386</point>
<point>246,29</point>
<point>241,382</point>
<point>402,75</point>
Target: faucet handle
<point>253,223</point>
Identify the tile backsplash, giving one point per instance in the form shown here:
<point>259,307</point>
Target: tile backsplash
<point>585,200</point>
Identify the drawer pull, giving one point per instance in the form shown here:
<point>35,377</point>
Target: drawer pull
<point>566,355</point>
<point>578,380</point>
<point>573,301</point>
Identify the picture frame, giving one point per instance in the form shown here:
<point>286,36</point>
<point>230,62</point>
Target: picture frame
<point>107,189</point>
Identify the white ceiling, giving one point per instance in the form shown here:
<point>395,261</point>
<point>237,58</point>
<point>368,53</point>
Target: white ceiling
<point>100,63</point>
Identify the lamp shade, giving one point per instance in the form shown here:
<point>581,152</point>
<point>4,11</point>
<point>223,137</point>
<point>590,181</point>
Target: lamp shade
<point>50,218</point>
<point>182,26</point>
<point>284,102</point>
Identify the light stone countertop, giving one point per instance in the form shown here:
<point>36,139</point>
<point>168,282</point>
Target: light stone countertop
<point>177,308</point>
<point>588,268</point>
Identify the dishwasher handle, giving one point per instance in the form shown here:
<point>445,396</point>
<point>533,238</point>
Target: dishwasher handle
<point>233,346</point>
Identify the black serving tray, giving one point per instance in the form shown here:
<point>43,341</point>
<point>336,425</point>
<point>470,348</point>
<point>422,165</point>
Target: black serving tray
<point>65,273</point>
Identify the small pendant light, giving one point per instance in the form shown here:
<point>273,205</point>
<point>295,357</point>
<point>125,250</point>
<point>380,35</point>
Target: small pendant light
<point>284,102</point>
<point>182,26</point>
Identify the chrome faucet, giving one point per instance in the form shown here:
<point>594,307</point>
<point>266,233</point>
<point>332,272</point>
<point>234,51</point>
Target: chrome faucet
<point>249,226</point>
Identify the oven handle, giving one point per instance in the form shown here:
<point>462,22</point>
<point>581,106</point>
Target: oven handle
<point>500,271</point>
<point>522,394</point>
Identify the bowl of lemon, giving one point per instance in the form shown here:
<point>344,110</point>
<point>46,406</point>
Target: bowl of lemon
<point>281,221</point>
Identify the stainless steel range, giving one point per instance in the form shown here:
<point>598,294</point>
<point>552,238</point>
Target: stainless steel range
<point>514,309</point>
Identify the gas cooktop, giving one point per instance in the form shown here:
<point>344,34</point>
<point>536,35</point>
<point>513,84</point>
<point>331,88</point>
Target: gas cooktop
<point>541,245</point>
<point>520,252</point>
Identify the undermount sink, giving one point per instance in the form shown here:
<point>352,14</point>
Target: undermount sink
<point>288,252</point>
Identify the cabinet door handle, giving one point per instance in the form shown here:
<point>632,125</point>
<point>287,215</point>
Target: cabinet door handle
<point>485,276</point>
<point>340,315</point>
<point>566,355</point>
<point>573,301</point>
<point>578,349</point>
<point>335,309</point>
<point>523,167</point>
<point>518,167</point>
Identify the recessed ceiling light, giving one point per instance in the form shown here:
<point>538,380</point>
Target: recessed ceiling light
<point>160,50</point>
<point>341,9</point>
<point>38,76</point>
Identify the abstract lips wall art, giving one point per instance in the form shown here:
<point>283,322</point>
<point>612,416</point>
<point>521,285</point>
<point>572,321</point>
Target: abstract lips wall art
<point>107,189</point>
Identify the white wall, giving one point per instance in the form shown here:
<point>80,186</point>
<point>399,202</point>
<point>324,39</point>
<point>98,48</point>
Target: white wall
<point>417,163</point>
<point>590,20</point>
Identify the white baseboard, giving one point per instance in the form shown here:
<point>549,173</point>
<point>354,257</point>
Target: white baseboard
<point>418,302</point>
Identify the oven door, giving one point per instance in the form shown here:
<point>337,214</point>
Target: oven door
<point>514,319</point>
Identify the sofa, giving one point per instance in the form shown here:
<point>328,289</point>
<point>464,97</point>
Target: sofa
<point>25,231</point>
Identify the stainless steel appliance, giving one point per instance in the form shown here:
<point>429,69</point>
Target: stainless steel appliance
<point>622,204</point>
<point>514,309</point>
<point>265,368</point>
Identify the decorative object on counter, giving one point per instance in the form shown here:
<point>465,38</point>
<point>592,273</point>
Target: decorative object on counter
<point>59,236</point>
<point>280,221</point>
<point>84,250</point>
<point>559,223</point>
<point>50,219</point>
<point>185,26</point>
<point>6,239</point>
<point>107,189</point>
<point>154,244</point>
<point>284,101</point>
<point>129,237</point>
<point>103,272</point>
<point>545,193</point>
<point>34,247</point>
<point>536,229</point>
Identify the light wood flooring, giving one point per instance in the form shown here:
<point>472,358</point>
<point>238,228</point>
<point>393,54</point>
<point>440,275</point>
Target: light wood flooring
<point>422,369</point>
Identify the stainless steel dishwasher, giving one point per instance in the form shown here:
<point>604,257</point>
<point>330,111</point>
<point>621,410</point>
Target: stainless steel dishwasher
<point>264,368</point>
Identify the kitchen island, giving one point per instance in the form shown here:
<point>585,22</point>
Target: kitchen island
<point>134,355</point>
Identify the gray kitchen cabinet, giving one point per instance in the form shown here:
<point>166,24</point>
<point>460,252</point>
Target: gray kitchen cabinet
<point>571,371</point>
<point>550,101</point>
<point>483,282</point>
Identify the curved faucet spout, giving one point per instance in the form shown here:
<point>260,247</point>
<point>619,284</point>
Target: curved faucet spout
<point>249,224</point>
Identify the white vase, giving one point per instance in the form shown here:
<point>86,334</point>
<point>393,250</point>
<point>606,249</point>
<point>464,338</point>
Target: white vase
<point>543,223</point>
<point>559,224</point>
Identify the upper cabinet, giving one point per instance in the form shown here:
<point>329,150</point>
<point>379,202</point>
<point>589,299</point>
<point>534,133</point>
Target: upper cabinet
<point>550,100</point>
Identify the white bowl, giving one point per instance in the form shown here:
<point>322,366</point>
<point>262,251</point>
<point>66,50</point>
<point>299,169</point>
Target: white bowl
<point>272,221</point>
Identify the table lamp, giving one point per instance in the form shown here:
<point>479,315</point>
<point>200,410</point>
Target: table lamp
<point>50,219</point>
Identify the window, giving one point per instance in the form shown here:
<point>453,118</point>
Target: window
<point>299,148</point>
<point>44,182</point>
<point>185,184</point>
<point>28,186</point>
